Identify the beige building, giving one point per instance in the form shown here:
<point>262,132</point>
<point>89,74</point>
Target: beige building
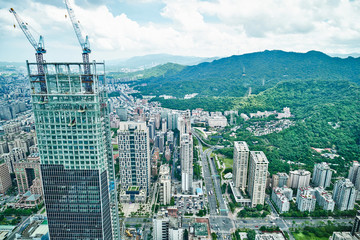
<point>240,164</point>
<point>15,155</point>
<point>5,179</point>
<point>27,172</point>
<point>258,168</point>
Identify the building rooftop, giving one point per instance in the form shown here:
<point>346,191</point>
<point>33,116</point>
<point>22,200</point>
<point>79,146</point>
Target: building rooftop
<point>241,146</point>
<point>200,229</point>
<point>259,157</point>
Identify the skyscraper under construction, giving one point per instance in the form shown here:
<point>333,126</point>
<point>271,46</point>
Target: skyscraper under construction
<point>72,125</point>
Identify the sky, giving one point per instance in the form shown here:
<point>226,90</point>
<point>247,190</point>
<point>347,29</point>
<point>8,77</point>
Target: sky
<point>120,29</point>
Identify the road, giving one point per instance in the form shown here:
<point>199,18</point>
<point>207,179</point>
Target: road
<point>217,186</point>
<point>208,181</point>
<point>222,225</point>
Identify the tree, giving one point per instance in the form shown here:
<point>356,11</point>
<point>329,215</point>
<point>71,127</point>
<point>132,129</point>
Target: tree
<point>186,235</point>
<point>251,234</point>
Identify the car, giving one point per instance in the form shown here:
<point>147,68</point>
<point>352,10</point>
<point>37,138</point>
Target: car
<point>256,226</point>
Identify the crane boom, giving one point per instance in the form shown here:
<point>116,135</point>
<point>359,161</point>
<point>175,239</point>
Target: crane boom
<point>84,43</point>
<point>39,48</point>
<point>85,46</point>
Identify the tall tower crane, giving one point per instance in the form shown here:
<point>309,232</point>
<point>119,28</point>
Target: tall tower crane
<point>85,46</point>
<point>39,48</point>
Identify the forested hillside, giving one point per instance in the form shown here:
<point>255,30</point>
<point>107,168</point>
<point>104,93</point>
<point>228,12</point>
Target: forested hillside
<point>235,75</point>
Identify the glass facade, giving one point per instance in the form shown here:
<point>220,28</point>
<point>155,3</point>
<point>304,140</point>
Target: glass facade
<point>73,130</point>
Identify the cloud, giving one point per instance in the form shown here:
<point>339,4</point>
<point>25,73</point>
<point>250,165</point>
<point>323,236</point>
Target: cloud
<point>235,26</point>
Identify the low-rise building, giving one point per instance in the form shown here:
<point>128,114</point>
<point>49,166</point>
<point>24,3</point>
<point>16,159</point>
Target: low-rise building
<point>341,236</point>
<point>217,121</point>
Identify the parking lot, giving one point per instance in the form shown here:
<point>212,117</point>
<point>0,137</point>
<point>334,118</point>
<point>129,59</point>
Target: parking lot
<point>189,204</point>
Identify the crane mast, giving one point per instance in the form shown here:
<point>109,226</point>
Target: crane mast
<point>85,46</point>
<point>38,46</point>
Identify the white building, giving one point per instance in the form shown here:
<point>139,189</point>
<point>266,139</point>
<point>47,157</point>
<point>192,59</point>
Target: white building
<point>353,171</point>
<point>217,121</point>
<point>324,199</point>
<point>186,157</point>
<point>282,197</point>
<point>161,228</point>
<point>306,199</point>
<point>342,236</point>
<point>176,234</point>
<point>134,158</point>
<point>240,164</point>
<point>344,194</point>
<point>299,178</point>
<point>258,169</point>
<point>322,175</point>
<point>165,182</point>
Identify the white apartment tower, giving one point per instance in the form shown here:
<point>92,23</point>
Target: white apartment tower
<point>344,194</point>
<point>240,165</point>
<point>299,178</point>
<point>258,169</point>
<point>165,182</point>
<point>134,157</point>
<point>322,175</point>
<point>186,157</point>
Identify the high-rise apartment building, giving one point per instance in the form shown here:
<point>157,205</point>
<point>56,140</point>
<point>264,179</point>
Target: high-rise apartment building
<point>299,178</point>
<point>354,175</point>
<point>165,184</point>
<point>134,160</point>
<point>344,194</point>
<point>282,197</point>
<point>305,199</point>
<point>240,164</point>
<point>5,179</point>
<point>353,171</point>
<point>258,168</point>
<point>186,157</point>
<point>324,199</point>
<point>322,175</point>
<point>72,125</point>
<point>280,180</point>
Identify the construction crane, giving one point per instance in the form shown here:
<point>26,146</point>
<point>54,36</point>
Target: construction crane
<point>39,48</point>
<point>85,46</point>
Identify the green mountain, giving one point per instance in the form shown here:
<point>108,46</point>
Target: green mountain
<point>235,75</point>
<point>164,70</point>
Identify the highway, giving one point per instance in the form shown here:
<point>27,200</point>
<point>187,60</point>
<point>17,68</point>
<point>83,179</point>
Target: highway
<point>208,181</point>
